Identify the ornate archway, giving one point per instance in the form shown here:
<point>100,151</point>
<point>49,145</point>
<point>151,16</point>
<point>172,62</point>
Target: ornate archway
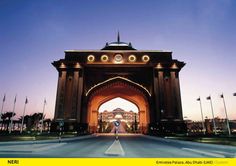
<point>118,87</point>
<point>148,78</point>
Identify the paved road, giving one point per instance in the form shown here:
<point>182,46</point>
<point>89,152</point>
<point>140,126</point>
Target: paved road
<point>130,145</point>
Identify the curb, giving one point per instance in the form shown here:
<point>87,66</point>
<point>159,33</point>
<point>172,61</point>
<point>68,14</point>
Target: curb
<point>189,142</point>
<point>30,149</point>
<point>47,141</point>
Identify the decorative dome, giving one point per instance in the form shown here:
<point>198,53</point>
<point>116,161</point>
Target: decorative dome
<point>118,45</point>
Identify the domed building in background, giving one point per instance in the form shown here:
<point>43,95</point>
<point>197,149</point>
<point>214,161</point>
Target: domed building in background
<point>128,119</point>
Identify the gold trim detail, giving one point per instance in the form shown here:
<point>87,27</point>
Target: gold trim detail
<point>118,77</point>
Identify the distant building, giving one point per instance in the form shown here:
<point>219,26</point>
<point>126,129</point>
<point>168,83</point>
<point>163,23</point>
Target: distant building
<point>118,114</point>
<point>221,126</point>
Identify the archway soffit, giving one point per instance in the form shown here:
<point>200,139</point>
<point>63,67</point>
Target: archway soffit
<point>114,78</point>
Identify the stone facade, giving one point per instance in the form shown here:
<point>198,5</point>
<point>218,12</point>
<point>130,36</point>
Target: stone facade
<point>148,78</point>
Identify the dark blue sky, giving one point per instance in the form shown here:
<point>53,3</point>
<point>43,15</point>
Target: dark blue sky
<point>200,32</point>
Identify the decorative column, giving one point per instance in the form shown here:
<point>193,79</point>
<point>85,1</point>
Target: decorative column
<point>94,120</point>
<point>75,95</point>
<point>157,95</point>
<point>68,95</point>
<point>79,95</point>
<point>161,93</point>
<point>168,100</point>
<point>142,121</point>
<point>176,95</point>
<point>59,108</point>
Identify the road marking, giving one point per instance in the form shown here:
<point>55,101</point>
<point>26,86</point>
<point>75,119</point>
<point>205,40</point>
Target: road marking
<point>204,152</point>
<point>115,149</point>
<point>227,153</point>
<point>157,138</point>
<point>14,151</point>
<point>30,148</point>
<point>49,147</point>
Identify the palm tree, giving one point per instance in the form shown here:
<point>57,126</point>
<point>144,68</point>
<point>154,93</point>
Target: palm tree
<point>32,121</point>
<point>7,118</point>
<point>36,117</point>
<point>27,121</point>
<point>3,121</point>
<point>47,123</point>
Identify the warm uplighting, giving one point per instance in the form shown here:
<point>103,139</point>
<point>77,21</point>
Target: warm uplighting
<point>62,65</point>
<point>145,58</point>
<point>159,66</point>
<point>77,65</point>
<point>174,66</point>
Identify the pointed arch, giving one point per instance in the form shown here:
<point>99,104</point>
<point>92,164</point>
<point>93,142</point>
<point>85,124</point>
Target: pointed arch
<point>129,104</point>
<point>117,87</point>
<point>115,79</point>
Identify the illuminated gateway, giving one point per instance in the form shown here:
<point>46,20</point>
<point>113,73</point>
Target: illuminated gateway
<point>147,78</point>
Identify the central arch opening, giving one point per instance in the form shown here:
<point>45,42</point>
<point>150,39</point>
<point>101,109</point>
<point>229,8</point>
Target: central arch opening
<point>118,109</point>
<point>122,91</point>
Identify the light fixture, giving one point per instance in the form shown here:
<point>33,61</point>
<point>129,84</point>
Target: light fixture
<point>91,58</point>
<point>145,58</point>
<point>174,66</point>
<point>159,66</point>
<point>77,65</point>
<point>104,58</point>
<point>132,58</point>
<point>62,65</point>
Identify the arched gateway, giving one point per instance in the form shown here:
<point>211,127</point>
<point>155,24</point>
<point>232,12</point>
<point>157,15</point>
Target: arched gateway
<point>118,87</point>
<point>89,78</point>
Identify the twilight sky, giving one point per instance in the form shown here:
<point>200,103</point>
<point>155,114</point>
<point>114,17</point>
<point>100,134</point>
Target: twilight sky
<point>201,33</point>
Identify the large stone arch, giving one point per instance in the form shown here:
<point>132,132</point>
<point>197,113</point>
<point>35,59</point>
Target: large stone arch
<point>117,64</point>
<point>118,87</point>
